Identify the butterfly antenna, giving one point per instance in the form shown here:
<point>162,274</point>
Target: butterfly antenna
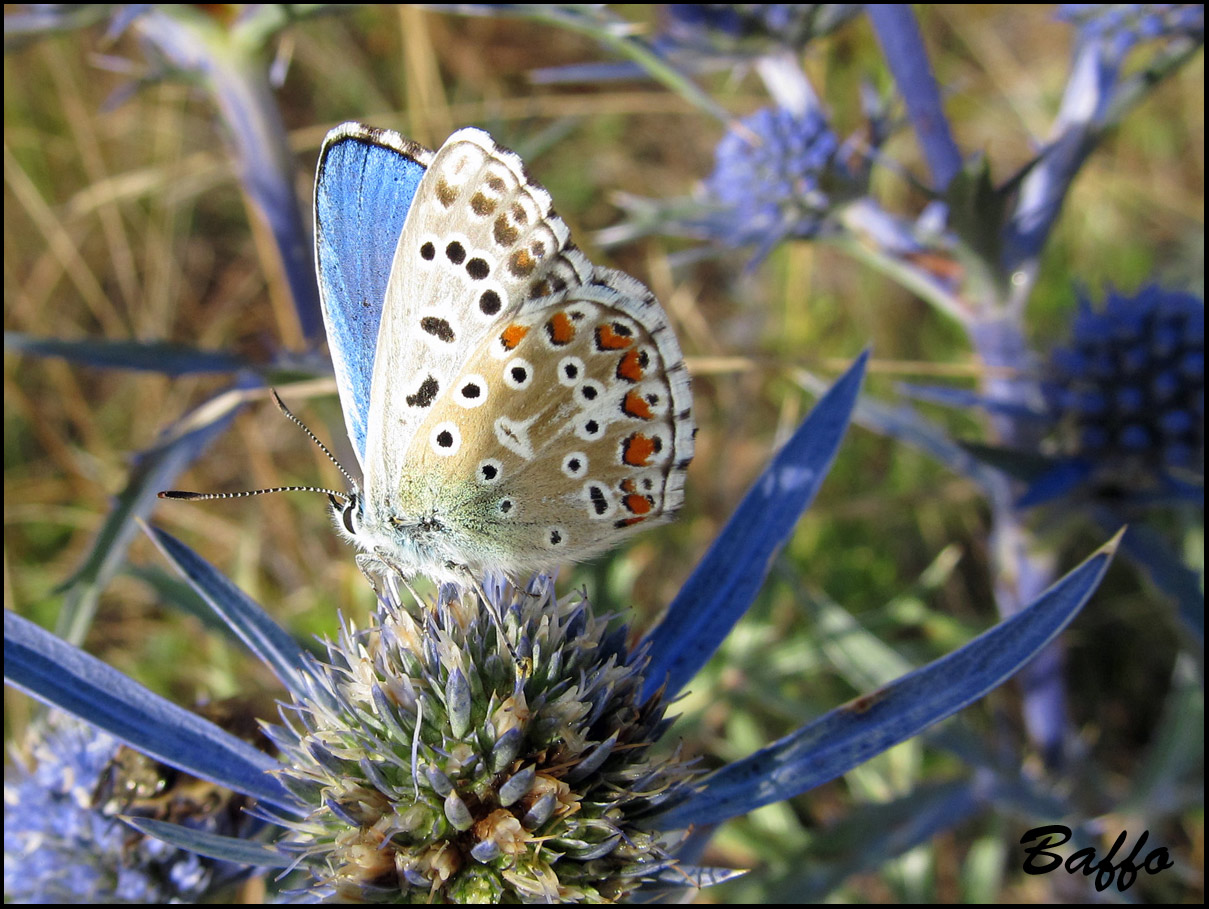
<point>199,496</point>
<point>330,493</point>
<point>314,438</point>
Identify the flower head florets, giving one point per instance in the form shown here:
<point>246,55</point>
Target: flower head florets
<point>729,28</point>
<point>1129,389</point>
<point>777,177</point>
<point>1121,26</point>
<point>443,763</point>
<point>62,841</point>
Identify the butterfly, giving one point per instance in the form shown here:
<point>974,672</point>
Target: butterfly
<point>511,405</point>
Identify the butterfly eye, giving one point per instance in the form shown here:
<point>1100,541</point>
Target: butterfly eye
<point>600,499</point>
<point>455,252</point>
<point>348,514</point>
<point>478,268</point>
<point>439,328</point>
<point>424,394</point>
<point>490,302</point>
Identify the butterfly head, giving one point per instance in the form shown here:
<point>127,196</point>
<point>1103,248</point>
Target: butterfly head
<point>407,541</point>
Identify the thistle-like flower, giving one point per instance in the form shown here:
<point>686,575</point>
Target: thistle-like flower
<point>777,177</point>
<point>1121,26</point>
<point>1128,392</point>
<point>729,28</point>
<point>61,844</point>
<point>438,766</point>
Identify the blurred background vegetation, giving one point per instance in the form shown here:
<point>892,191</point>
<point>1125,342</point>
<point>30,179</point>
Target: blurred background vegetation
<point>123,219</point>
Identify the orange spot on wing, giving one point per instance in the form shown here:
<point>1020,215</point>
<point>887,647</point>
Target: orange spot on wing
<point>608,339</point>
<point>512,336</point>
<point>521,263</point>
<point>560,328</point>
<point>628,522</point>
<point>630,367</point>
<point>636,504</point>
<point>635,405</point>
<point>637,450</point>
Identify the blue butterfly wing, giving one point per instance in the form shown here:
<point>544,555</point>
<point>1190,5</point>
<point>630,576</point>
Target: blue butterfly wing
<point>365,184</point>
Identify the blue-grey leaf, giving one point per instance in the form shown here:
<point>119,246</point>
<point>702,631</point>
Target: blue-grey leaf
<point>59,674</point>
<point>154,469</point>
<point>907,425</point>
<point>965,399</point>
<point>1062,478</point>
<point>146,356</point>
<point>902,45</point>
<point>223,848</point>
<point>851,734</point>
<point>255,627</point>
<point>725,582</point>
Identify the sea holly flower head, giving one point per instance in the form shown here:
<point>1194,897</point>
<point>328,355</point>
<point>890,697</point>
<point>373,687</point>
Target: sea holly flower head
<point>776,177</point>
<point>1122,26</point>
<point>1128,390</point>
<point>439,763</point>
<point>730,28</point>
<point>62,844</point>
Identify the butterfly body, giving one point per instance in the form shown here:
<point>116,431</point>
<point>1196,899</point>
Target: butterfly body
<point>519,406</point>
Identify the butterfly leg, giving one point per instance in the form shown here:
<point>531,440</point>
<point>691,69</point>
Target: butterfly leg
<point>524,665</point>
<point>384,576</point>
<point>407,583</point>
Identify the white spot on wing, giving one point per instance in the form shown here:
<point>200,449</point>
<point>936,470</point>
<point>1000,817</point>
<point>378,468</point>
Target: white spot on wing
<point>445,439</point>
<point>464,391</point>
<point>514,435</point>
